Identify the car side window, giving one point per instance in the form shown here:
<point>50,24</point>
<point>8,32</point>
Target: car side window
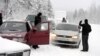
<point>44,26</point>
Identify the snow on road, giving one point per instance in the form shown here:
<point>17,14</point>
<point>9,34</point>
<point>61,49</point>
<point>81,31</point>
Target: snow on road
<point>51,50</point>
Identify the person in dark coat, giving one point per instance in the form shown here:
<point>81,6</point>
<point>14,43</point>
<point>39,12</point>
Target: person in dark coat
<point>1,19</point>
<point>38,19</point>
<point>64,20</point>
<point>37,24</point>
<point>86,29</point>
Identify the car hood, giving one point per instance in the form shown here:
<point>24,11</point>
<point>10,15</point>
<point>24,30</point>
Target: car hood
<point>64,32</point>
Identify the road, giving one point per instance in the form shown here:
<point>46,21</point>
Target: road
<point>52,50</point>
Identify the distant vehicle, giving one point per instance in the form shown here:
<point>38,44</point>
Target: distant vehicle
<point>15,30</point>
<point>12,48</point>
<point>67,34</point>
<point>31,18</point>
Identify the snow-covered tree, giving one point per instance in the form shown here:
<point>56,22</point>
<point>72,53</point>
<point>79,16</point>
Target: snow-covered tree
<point>19,9</point>
<point>81,14</point>
<point>75,14</point>
<point>92,14</point>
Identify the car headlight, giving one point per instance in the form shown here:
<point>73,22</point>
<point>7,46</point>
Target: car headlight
<point>53,36</point>
<point>26,53</point>
<point>74,36</point>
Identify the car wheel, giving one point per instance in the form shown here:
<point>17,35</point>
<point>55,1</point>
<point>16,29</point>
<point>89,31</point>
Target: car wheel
<point>35,46</point>
<point>77,46</point>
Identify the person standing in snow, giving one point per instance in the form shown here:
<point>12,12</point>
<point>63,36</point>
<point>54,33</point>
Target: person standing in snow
<point>1,19</point>
<point>64,20</point>
<point>37,24</point>
<point>86,29</point>
<point>38,21</point>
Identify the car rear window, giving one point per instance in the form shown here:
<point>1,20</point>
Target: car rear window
<point>13,26</point>
<point>67,27</point>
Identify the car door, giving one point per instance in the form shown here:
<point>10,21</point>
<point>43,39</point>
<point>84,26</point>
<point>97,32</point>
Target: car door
<point>39,36</point>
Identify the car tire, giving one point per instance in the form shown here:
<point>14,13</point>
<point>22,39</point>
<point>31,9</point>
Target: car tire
<point>77,46</point>
<point>35,46</point>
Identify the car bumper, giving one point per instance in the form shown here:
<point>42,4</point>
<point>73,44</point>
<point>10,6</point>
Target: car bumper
<point>66,41</point>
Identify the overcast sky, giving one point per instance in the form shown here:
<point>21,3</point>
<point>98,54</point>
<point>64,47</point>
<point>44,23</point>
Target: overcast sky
<point>69,5</point>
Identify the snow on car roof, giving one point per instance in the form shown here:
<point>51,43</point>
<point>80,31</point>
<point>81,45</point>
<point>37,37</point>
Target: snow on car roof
<point>67,26</point>
<point>14,20</point>
<point>7,46</point>
<point>67,23</point>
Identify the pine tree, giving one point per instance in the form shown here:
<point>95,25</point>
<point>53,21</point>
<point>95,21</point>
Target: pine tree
<point>19,9</point>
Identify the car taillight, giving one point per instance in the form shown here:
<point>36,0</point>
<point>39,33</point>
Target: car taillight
<point>19,35</point>
<point>15,39</point>
<point>18,39</point>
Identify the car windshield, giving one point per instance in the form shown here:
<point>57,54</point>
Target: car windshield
<point>67,27</point>
<point>13,26</point>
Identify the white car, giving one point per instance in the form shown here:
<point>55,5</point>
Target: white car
<point>67,34</point>
<point>13,48</point>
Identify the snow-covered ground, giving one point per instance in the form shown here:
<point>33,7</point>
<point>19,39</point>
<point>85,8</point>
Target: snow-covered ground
<point>51,50</point>
<point>8,46</point>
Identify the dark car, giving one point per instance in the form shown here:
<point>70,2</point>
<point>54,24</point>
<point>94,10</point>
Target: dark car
<point>15,30</point>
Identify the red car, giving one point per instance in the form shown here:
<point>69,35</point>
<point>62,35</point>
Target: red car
<point>22,31</point>
<point>15,30</point>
